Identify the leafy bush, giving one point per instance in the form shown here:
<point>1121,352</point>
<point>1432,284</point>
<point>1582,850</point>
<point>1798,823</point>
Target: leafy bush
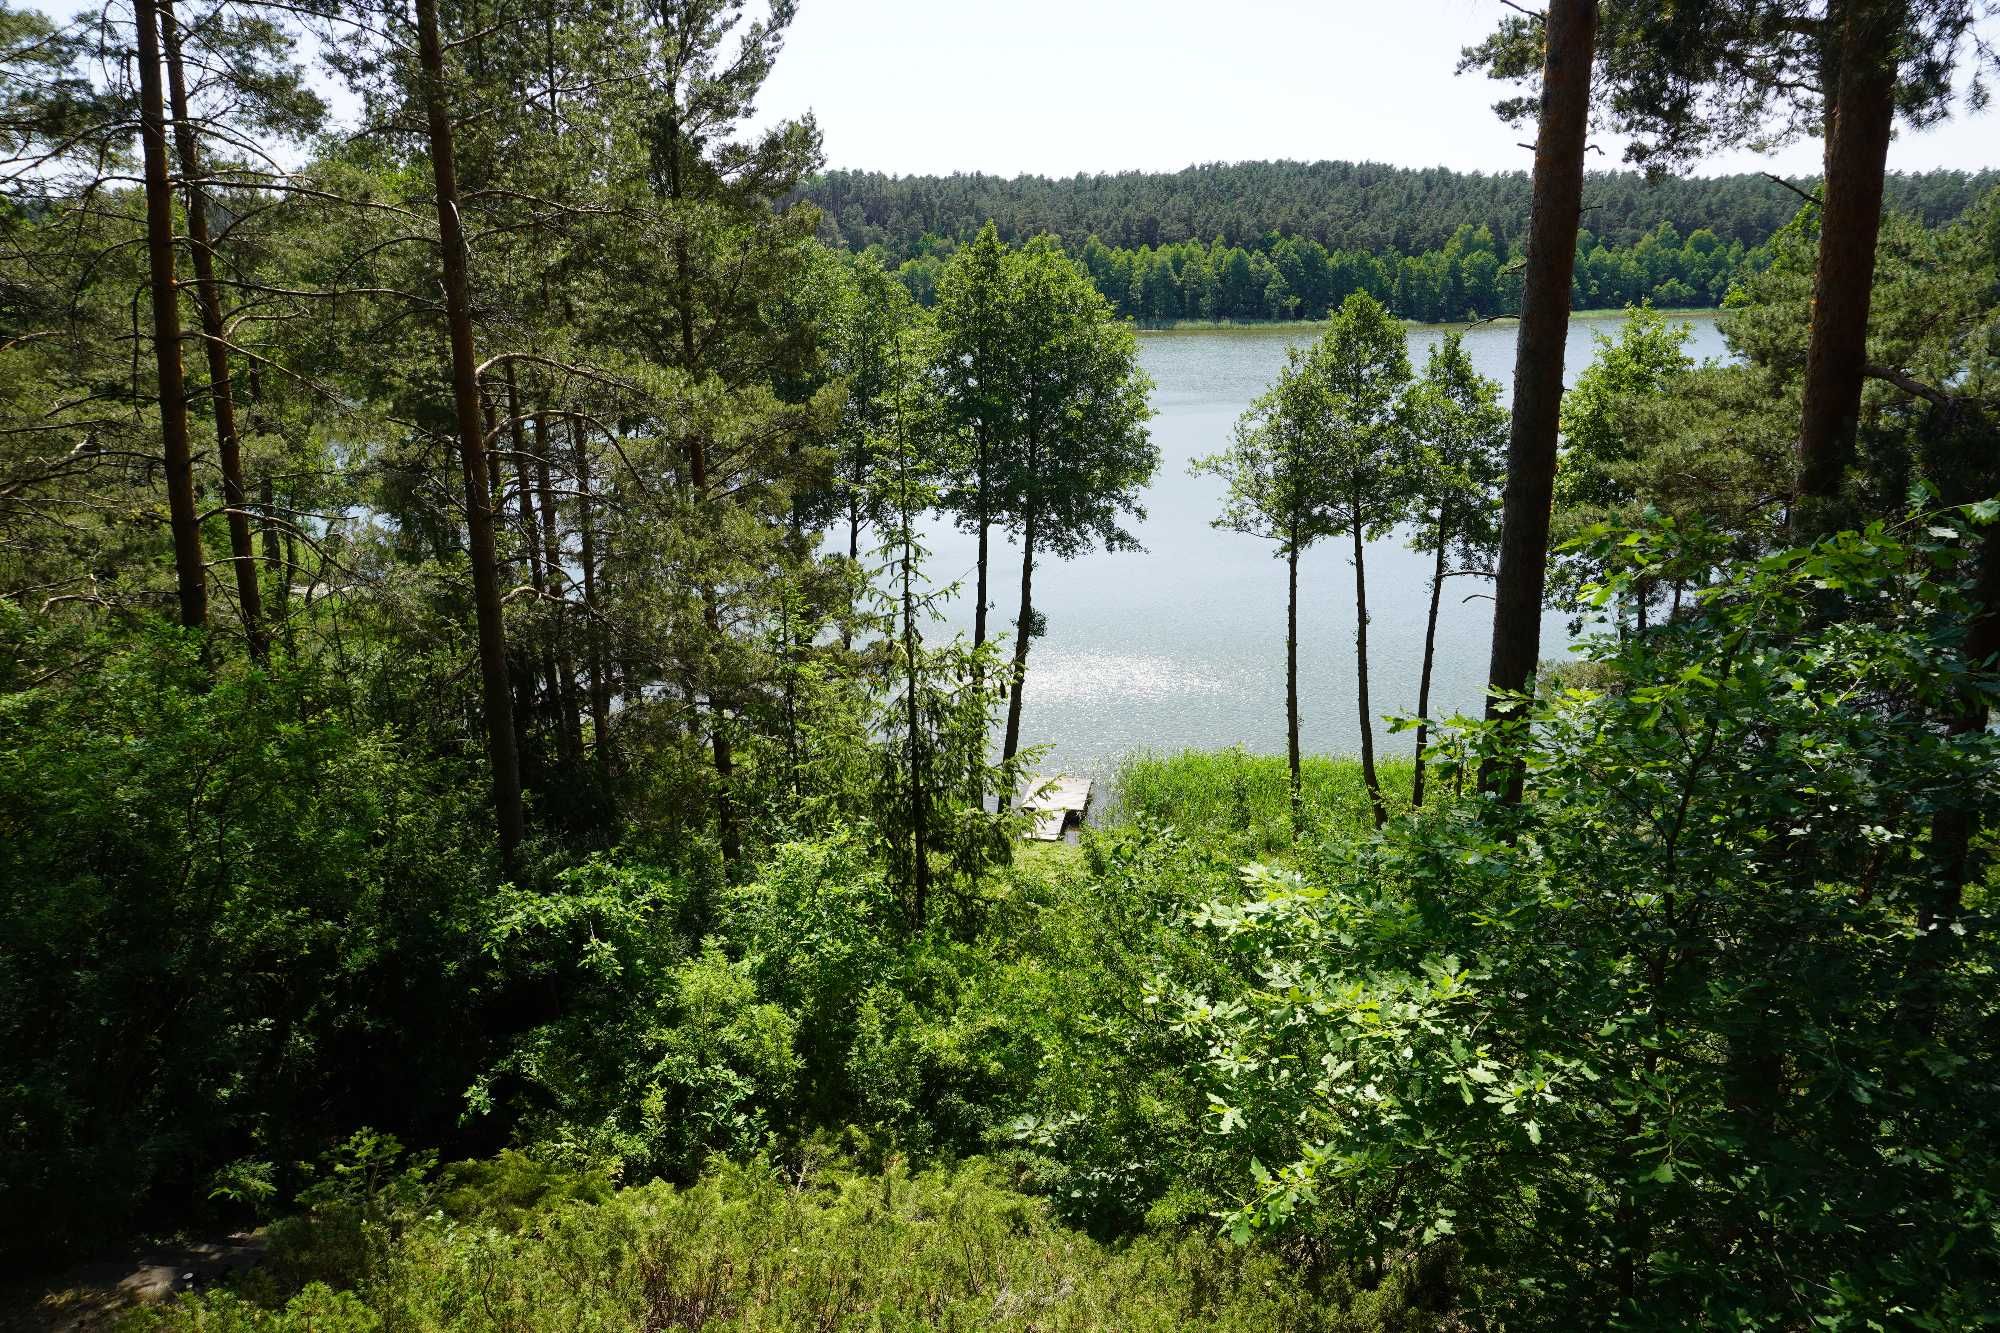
<point>658,1051</point>
<point>1707,1005</point>
<point>230,906</point>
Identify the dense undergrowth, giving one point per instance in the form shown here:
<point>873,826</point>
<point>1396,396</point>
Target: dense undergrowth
<point>811,1126</point>
<point>1681,1014</point>
<point>511,1245</point>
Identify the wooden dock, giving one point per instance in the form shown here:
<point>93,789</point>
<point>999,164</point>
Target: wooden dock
<point>1054,800</point>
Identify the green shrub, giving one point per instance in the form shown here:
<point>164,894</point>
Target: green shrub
<point>231,906</point>
<point>1699,1036</point>
<point>751,1247</point>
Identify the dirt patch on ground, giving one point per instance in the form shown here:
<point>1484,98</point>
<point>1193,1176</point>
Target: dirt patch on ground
<point>90,1295</point>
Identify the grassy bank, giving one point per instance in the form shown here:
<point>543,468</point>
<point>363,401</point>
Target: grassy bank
<point>1241,801</point>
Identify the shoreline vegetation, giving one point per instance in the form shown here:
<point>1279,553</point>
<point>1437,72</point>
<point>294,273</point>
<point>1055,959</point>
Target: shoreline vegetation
<point>1281,240</point>
<point>1413,325</point>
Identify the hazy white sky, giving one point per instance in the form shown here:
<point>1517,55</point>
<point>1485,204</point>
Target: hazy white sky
<point>1057,87</point>
<point>1061,86</point>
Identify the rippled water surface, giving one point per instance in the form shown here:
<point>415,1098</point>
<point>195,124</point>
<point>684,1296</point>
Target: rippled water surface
<point>1182,645</point>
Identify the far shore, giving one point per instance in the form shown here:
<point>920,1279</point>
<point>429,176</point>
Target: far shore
<point>1279,325</point>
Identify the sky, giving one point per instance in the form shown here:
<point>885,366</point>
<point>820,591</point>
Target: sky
<point>1056,87</point>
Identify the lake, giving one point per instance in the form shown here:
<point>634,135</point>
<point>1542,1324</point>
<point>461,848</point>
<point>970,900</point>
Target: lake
<point>1182,645</point>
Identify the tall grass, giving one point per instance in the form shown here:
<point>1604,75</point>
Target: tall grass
<point>1242,800</point>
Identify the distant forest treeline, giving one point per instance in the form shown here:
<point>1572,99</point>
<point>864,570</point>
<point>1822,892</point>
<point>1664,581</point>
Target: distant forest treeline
<point>1276,240</point>
<point>1472,276</point>
<point>1363,206</point>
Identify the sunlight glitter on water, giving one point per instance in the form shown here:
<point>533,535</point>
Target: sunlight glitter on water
<point>1082,678</point>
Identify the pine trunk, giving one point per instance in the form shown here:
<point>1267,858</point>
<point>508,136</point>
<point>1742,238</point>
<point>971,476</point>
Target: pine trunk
<point>600,688</point>
<point>854,557</point>
<point>208,293</point>
<point>720,743</point>
<point>562,679</point>
<point>274,559</point>
<point>1555,210</point>
<point>190,574</point>
<point>1851,218</point>
<point>979,621</point>
<point>496,705</point>
<point>524,505</point>
<point>920,864</point>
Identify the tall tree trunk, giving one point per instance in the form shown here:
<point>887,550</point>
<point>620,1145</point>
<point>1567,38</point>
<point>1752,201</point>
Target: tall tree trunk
<point>979,577</point>
<point>496,484</point>
<point>496,705</point>
<point>600,688</point>
<point>190,575</point>
<point>1292,683</point>
<point>979,618</point>
<point>208,293</point>
<point>721,746</point>
<point>267,506</point>
<point>520,656</point>
<point>1368,776</point>
<point>1538,357</point>
<point>1022,636</point>
<point>854,557</point>
<point>920,865</point>
<point>561,667</point>
<point>1851,219</point>
<point>720,743</point>
<point>524,505</point>
<point>274,562</point>
<point>1424,678</point>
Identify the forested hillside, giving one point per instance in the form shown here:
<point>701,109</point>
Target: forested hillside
<point>1359,206</point>
<point>1282,240</point>
<point>1475,276</point>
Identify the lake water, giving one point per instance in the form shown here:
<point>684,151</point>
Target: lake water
<point>1182,645</point>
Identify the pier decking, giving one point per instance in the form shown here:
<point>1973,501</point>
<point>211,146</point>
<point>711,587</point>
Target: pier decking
<point>1053,799</point>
